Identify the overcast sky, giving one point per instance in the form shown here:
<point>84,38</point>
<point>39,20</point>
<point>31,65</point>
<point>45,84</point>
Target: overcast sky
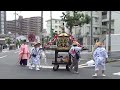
<point>27,14</point>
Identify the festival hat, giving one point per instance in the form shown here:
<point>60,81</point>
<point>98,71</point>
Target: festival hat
<point>98,44</point>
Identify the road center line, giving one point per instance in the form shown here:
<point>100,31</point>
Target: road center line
<point>3,56</point>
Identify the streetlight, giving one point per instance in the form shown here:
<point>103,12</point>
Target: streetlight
<point>41,28</point>
<point>91,30</point>
<point>109,39</point>
<point>15,29</point>
<point>51,23</point>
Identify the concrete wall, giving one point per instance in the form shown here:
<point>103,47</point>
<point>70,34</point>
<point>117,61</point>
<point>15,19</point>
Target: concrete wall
<point>116,17</point>
<point>115,42</point>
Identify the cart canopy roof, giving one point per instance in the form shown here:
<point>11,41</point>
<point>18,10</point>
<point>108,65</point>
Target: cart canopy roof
<point>63,34</point>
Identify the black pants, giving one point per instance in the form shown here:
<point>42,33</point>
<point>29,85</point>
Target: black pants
<point>23,62</point>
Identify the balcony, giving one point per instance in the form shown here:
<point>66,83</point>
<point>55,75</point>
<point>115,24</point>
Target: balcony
<point>104,27</point>
<point>107,27</point>
<point>104,16</point>
<point>96,33</point>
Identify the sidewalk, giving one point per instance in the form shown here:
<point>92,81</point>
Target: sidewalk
<point>6,50</point>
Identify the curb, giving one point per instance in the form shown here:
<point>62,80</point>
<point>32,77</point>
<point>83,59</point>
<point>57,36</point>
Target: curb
<point>112,61</point>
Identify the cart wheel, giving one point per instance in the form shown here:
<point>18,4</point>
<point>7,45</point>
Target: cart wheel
<point>67,67</point>
<point>55,68</point>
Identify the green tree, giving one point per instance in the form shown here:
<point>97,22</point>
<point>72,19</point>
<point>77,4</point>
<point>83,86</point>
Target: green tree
<point>8,41</point>
<point>78,19</point>
<point>18,43</point>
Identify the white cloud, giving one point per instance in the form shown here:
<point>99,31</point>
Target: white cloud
<point>26,14</point>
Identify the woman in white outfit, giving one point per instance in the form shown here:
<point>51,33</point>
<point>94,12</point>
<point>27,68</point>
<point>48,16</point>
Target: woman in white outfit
<point>35,57</point>
<point>100,55</point>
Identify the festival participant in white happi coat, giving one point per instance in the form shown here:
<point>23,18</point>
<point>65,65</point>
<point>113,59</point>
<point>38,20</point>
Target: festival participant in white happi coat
<point>100,56</point>
<point>36,56</point>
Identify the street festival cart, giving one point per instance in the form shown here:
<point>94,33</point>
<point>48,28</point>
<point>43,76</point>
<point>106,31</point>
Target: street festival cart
<point>64,42</point>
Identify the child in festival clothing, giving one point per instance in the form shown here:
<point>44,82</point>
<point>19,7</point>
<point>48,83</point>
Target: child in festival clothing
<point>100,55</point>
<point>35,57</point>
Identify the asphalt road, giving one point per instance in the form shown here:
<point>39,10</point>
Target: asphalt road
<point>10,69</point>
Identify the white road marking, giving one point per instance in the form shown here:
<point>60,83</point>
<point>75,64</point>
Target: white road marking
<point>118,73</point>
<point>80,66</point>
<point>3,56</point>
<point>61,67</point>
<point>16,51</point>
<point>5,51</point>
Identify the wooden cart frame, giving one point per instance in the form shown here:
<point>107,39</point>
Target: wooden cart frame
<point>57,63</point>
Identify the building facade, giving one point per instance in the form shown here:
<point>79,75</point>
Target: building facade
<point>24,25</point>
<point>115,22</point>
<point>100,26</point>
<point>3,22</point>
<point>83,33</point>
<point>56,26</point>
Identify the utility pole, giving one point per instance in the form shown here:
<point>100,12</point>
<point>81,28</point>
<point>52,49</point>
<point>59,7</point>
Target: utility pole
<point>91,36</point>
<point>109,37</point>
<point>51,23</point>
<point>41,29</point>
<point>15,29</point>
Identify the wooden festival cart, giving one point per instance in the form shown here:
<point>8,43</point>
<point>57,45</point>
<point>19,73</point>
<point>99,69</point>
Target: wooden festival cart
<point>62,46</point>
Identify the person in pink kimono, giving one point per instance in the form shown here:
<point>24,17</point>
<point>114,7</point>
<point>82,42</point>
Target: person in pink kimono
<point>24,53</point>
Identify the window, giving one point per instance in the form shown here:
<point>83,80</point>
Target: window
<point>59,26</point>
<point>95,28</point>
<point>104,23</point>
<point>55,21</point>
<point>56,27</point>
<point>96,19</point>
<point>104,13</point>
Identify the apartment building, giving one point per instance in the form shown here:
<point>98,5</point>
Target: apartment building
<point>25,25</point>
<point>56,26</point>
<point>2,22</point>
<point>115,22</point>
